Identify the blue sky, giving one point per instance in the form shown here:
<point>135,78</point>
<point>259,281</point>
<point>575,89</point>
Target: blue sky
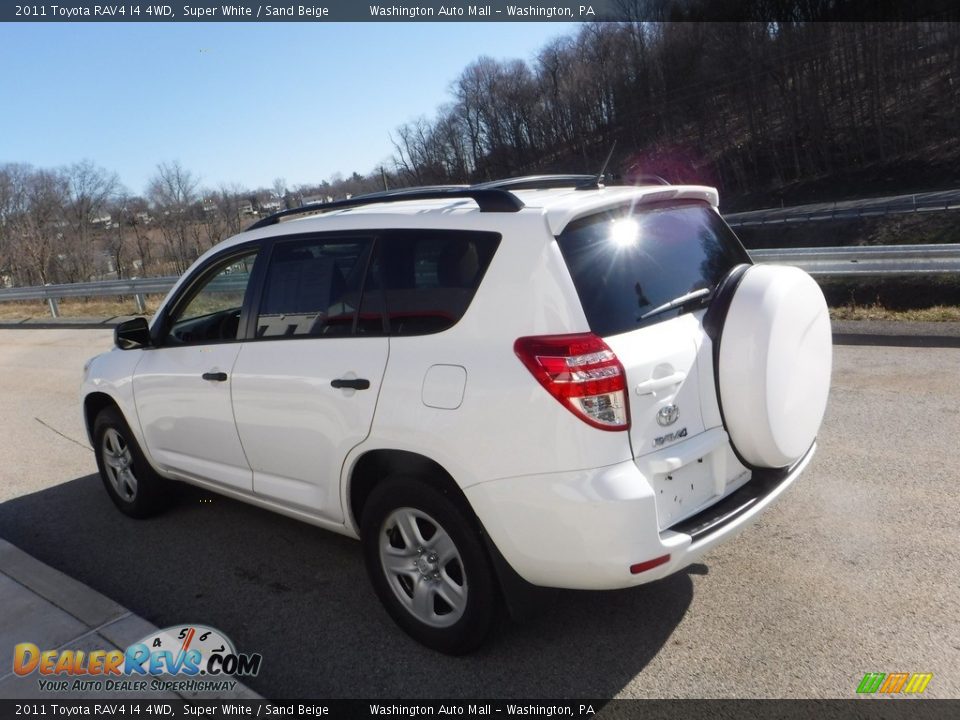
<point>261,101</point>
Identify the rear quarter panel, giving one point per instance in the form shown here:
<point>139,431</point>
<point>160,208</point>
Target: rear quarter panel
<point>507,425</point>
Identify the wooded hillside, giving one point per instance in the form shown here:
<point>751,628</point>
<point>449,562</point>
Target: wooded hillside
<point>754,108</point>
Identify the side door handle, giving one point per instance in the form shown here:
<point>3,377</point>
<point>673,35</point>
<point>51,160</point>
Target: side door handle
<point>215,376</point>
<point>352,384</point>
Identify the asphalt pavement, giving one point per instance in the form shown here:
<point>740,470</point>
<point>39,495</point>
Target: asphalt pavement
<point>51,610</point>
<point>856,570</point>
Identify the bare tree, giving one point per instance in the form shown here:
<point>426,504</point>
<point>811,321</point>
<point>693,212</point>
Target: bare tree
<point>118,235</point>
<point>14,181</point>
<point>172,191</point>
<point>42,226</point>
<point>279,188</point>
<point>89,189</point>
<point>141,223</point>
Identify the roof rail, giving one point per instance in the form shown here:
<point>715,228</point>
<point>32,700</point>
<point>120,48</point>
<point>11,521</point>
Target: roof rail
<point>489,200</point>
<point>650,180</point>
<point>580,182</point>
<point>418,188</point>
<point>536,182</point>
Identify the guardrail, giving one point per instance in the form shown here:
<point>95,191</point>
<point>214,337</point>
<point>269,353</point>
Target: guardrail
<point>848,210</point>
<point>138,288</point>
<point>866,261</point>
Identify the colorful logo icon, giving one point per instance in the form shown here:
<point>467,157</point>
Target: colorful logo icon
<point>894,683</point>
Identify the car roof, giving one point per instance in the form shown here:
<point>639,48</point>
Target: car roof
<point>559,206</point>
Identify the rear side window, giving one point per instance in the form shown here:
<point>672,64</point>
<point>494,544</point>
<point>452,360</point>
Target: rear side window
<point>628,265</point>
<point>422,281</point>
<point>313,288</point>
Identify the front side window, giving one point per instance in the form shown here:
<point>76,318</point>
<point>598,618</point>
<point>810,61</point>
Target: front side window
<point>636,267</point>
<point>212,311</point>
<point>313,288</point>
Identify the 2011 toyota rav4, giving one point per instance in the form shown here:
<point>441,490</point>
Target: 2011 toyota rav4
<point>536,382</point>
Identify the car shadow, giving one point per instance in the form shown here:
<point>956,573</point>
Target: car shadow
<point>300,596</point>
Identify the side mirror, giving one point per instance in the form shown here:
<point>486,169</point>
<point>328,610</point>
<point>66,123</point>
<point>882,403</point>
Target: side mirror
<point>132,334</point>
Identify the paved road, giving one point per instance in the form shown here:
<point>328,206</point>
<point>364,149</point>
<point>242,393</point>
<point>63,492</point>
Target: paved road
<point>43,442</point>
<point>856,570</point>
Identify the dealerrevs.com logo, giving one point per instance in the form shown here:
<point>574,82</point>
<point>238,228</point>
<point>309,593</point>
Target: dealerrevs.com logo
<point>183,658</point>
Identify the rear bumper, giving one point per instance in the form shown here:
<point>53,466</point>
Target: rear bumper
<point>585,529</point>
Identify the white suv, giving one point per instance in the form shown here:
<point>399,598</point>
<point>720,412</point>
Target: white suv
<point>534,382</point>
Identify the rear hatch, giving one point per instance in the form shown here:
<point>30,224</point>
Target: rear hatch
<point>644,275</point>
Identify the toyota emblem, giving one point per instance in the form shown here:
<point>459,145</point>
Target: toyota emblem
<point>668,414</point>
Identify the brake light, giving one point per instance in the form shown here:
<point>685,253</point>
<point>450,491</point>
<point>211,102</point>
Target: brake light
<point>582,373</point>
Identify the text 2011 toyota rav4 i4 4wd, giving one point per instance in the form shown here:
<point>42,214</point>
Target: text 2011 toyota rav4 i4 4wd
<point>535,382</point>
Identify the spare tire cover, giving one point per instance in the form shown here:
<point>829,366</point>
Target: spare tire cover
<point>773,365</point>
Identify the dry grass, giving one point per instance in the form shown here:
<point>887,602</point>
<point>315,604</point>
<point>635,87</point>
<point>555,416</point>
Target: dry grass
<point>98,308</point>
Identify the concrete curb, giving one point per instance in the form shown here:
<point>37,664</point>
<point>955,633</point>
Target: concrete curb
<point>897,327</point>
<point>896,333</point>
<point>915,341</point>
<point>45,606</point>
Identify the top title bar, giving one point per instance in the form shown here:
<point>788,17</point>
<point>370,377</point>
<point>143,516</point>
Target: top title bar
<point>491,11</point>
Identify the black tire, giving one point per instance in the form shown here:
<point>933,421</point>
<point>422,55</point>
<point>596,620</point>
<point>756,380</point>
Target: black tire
<point>421,596</point>
<point>133,485</point>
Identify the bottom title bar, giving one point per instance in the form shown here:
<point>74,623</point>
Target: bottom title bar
<point>646,709</point>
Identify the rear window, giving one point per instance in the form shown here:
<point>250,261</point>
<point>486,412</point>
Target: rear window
<point>309,287</point>
<point>626,266</point>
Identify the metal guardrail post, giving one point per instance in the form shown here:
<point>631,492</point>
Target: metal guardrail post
<point>54,307</point>
<point>141,303</point>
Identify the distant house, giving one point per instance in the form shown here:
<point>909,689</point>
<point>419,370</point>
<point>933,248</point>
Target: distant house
<point>315,199</point>
<point>271,206</point>
<point>245,207</point>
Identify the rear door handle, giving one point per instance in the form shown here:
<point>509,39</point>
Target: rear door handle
<point>654,385</point>
<point>215,376</point>
<point>352,384</point>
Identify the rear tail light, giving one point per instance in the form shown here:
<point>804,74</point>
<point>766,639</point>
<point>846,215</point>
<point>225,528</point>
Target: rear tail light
<point>582,373</point>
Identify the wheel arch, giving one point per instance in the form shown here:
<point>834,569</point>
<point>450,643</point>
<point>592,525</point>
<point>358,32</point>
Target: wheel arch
<point>522,599</point>
<point>375,466</point>
<point>93,405</point>
<point>96,401</point>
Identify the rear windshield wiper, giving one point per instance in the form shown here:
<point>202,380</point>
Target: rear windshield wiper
<point>702,293</point>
